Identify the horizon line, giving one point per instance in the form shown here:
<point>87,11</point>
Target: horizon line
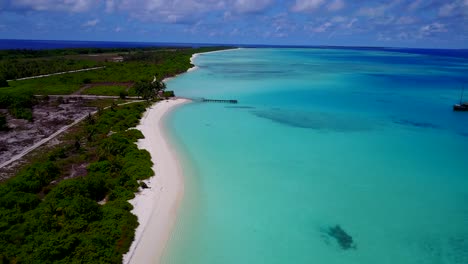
<point>189,44</point>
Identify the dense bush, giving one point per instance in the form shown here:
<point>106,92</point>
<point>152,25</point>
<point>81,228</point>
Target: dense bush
<point>160,63</point>
<point>3,82</point>
<point>14,69</point>
<point>45,222</point>
<point>149,89</point>
<point>19,104</point>
<point>3,123</point>
<point>168,94</point>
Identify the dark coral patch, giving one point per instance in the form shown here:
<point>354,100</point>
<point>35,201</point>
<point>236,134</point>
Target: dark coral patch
<point>342,238</point>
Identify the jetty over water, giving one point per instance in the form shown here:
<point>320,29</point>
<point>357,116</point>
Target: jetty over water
<point>219,101</point>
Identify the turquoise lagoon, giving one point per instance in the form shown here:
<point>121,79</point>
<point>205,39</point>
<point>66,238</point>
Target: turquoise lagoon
<point>366,140</point>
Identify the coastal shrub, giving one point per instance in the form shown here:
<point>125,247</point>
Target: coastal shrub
<point>168,94</point>
<point>3,82</point>
<point>34,178</point>
<point>149,89</point>
<point>18,105</point>
<point>22,113</point>
<point>66,224</point>
<point>123,94</point>
<point>3,123</point>
<point>15,69</point>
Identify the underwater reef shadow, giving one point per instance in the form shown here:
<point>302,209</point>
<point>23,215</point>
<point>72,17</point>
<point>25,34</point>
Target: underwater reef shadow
<point>412,123</point>
<point>240,107</point>
<point>336,122</point>
<point>342,238</point>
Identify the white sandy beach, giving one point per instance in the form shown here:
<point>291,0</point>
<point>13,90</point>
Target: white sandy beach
<point>156,207</point>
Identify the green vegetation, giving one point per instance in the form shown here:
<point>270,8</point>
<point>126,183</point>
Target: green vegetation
<point>46,219</point>
<point>3,82</point>
<point>15,69</point>
<point>141,65</point>
<point>105,90</point>
<point>149,90</point>
<point>168,94</point>
<point>26,53</point>
<point>19,105</point>
<point>3,123</point>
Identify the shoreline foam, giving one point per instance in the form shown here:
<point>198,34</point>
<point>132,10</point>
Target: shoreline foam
<point>156,207</point>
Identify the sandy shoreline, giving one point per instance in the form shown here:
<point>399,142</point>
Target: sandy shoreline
<point>156,207</point>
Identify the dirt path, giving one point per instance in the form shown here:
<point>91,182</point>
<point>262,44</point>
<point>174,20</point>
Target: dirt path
<point>45,140</point>
<point>86,96</point>
<point>83,88</point>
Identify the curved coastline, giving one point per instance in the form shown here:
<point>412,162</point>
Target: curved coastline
<point>156,206</point>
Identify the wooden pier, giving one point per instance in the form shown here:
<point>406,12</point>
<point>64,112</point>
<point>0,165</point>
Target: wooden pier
<point>219,101</point>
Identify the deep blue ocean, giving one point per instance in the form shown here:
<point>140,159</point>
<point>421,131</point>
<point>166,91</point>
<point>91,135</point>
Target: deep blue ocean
<point>357,138</point>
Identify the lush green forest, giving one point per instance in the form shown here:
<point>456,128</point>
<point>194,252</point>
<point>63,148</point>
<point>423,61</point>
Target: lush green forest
<point>142,65</point>
<point>19,104</point>
<point>45,218</point>
<point>14,69</point>
<point>28,53</point>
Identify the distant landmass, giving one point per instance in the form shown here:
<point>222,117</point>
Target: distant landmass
<point>6,44</point>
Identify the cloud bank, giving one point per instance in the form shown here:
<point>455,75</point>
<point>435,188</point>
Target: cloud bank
<point>403,22</point>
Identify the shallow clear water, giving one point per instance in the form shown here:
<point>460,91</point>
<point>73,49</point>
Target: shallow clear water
<point>366,140</point>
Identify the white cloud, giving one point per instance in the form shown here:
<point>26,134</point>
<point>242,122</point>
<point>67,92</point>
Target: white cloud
<point>379,10</point>
<point>405,20</point>
<point>447,9</point>
<point>54,5</point>
<point>432,28</point>
<point>454,8</point>
<point>249,6</point>
<point>336,5</point>
<point>403,35</point>
<point>338,19</point>
<point>110,6</point>
<point>90,23</point>
<point>372,11</point>
<point>415,5</point>
<point>351,23</point>
<point>306,5</point>
<point>176,11</point>
<point>382,37</point>
<point>235,32</point>
<point>323,27</point>
<point>118,29</point>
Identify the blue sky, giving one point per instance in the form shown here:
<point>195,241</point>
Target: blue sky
<point>394,23</point>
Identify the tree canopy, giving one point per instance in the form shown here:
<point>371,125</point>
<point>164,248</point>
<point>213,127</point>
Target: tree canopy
<point>3,123</point>
<point>3,82</point>
<point>149,90</point>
